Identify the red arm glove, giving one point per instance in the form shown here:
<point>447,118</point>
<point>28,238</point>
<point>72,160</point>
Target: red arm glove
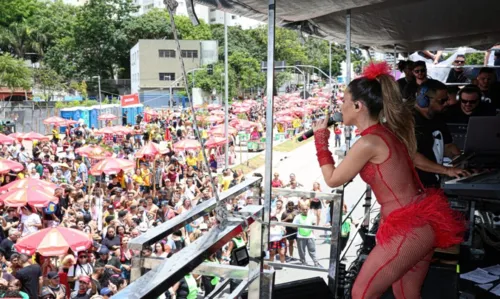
<point>324,155</point>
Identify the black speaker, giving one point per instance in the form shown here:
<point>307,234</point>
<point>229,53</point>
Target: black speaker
<point>315,287</point>
<point>441,282</point>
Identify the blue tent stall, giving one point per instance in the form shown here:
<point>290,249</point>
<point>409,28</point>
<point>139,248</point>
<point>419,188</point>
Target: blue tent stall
<point>94,122</point>
<point>114,109</point>
<point>132,112</point>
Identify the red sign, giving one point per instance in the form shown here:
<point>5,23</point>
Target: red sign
<point>130,99</point>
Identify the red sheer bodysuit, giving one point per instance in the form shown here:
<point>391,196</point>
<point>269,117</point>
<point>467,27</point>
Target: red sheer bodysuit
<point>413,222</point>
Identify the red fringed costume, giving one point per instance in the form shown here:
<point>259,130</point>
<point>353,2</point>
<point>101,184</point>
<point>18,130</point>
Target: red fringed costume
<point>414,221</point>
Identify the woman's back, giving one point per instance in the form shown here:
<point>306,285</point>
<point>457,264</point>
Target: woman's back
<point>393,181</point>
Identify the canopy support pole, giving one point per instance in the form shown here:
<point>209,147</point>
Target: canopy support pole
<point>395,62</point>
<point>330,64</point>
<point>268,176</point>
<point>348,47</point>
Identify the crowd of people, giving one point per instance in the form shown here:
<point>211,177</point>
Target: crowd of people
<point>116,207</point>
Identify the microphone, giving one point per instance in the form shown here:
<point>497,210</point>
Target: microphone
<point>336,117</point>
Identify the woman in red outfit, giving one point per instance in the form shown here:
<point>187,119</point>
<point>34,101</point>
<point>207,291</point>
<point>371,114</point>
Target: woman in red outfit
<point>414,221</point>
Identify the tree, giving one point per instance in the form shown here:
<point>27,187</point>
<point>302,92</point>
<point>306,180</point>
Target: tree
<point>474,58</point>
<point>14,73</point>
<point>100,36</point>
<point>48,81</point>
<point>20,39</point>
<point>247,71</point>
<point>188,31</point>
<point>154,24</point>
<point>15,11</point>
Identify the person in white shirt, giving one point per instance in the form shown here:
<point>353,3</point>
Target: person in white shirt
<point>30,222</point>
<point>305,236</point>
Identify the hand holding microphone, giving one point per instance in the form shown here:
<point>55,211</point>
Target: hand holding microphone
<point>336,117</point>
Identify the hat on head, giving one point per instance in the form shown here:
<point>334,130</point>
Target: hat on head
<point>104,250</point>
<point>105,291</point>
<point>52,275</point>
<point>84,278</point>
<point>111,207</point>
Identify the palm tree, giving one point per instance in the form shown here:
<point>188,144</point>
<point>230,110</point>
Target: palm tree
<point>20,39</point>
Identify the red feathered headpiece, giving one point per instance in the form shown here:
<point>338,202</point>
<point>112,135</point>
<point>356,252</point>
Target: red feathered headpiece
<point>373,70</point>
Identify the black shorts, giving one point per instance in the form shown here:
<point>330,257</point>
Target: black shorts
<point>291,233</point>
<point>315,205</point>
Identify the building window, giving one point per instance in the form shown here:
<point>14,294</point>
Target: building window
<point>212,20</point>
<point>233,17</point>
<point>167,76</point>
<point>166,53</point>
<point>212,9</point>
<point>189,53</point>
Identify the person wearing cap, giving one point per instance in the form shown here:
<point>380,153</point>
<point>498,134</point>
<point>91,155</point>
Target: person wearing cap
<point>106,292</point>
<point>85,288</point>
<point>106,261</point>
<point>54,285</point>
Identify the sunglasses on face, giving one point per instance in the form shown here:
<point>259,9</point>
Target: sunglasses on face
<point>419,71</point>
<point>459,61</point>
<point>442,101</point>
<point>469,102</point>
<point>82,257</point>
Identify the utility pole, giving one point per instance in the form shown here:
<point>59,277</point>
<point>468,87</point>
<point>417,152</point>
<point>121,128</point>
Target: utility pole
<point>226,93</point>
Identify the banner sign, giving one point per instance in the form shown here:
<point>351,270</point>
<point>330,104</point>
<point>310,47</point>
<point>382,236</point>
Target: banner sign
<point>129,99</point>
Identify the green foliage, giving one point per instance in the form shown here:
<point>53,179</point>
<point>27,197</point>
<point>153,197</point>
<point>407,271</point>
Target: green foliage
<point>80,42</point>
<point>474,58</point>
<point>14,73</point>
<point>71,104</point>
<point>187,30</point>
<point>48,81</point>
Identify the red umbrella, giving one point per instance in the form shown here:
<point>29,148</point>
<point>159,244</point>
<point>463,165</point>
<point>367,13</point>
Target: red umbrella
<point>70,122</point>
<point>36,197</point>
<point>55,121</point>
<point>221,131</point>
<point>285,119</point>
<point>54,241</point>
<point>112,166</point>
<point>186,145</point>
<point>32,136</point>
<point>152,113</point>
<point>17,136</point>
<point>214,119</point>
<point>239,110</point>
<point>245,124</point>
<point>93,152</point>
<point>218,112</point>
<point>107,116</point>
<point>4,139</point>
<point>30,183</point>
<point>215,141</point>
<point>8,165</point>
<point>213,106</point>
<point>150,150</point>
<point>111,130</point>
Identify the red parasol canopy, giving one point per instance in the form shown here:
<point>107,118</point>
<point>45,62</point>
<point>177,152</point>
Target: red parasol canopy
<point>17,135</point>
<point>32,136</point>
<point>8,165</point>
<point>93,152</point>
<point>54,241</point>
<point>218,112</point>
<point>112,166</point>
<point>215,141</point>
<point>107,116</point>
<point>221,131</point>
<point>239,110</point>
<point>245,124</point>
<point>35,197</point>
<point>30,183</point>
<point>4,139</point>
<point>213,106</point>
<point>186,145</point>
<point>285,119</point>
<point>149,150</point>
<point>55,121</point>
